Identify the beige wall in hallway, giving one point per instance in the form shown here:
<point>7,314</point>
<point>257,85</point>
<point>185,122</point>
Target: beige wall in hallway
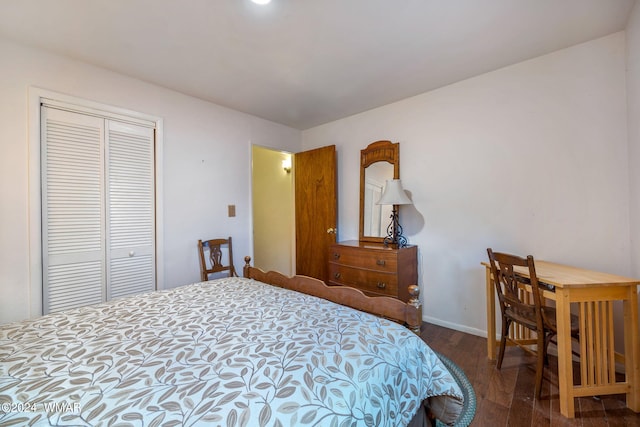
<point>273,217</point>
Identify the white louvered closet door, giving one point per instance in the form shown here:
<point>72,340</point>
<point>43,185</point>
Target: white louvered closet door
<point>98,209</point>
<point>130,209</point>
<point>73,237</point>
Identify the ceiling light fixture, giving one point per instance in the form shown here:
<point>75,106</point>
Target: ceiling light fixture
<point>261,1</point>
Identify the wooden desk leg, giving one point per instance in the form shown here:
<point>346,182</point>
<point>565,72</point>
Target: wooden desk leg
<point>632,349</point>
<point>565,367</point>
<point>491,316</point>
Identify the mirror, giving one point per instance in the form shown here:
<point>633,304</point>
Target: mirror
<point>379,162</point>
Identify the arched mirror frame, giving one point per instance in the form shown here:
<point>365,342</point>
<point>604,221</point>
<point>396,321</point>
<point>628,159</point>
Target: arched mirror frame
<point>379,151</point>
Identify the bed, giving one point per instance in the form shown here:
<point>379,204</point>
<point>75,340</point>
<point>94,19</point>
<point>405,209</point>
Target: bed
<point>258,350</point>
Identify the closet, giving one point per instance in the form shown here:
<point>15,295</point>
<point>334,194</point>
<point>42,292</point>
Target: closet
<point>98,207</point>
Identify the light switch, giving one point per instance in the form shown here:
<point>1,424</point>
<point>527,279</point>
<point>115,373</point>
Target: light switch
<point>232,210</point>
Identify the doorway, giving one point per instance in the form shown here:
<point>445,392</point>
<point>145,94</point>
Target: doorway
<point>273,208</point>
<point>294,210</point>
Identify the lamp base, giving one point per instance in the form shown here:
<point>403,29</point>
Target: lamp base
<point>394,232</point>
<point>400,241</point>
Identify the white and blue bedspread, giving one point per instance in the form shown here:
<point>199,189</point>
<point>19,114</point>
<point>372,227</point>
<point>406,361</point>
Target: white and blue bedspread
<point>230,352</point>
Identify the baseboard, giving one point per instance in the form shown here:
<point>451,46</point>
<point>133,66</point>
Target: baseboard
<point>455,326</point>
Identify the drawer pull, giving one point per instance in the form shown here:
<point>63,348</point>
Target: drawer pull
<point>337,275</point>
<point>336,255</point>
<point>380,262</point>
<point>382,285</point>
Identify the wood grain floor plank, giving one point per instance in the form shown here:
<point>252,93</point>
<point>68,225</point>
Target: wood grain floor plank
<point>591,411</point>
<point>505,397</point>
<point>617,413</point>
<point>521,412</point>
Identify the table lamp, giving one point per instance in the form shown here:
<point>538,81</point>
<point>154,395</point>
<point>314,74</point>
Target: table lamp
<point>395,195</point>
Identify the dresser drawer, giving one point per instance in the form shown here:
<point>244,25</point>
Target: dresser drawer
<point>365,280</point>
<point>374,268</point>
<point>362,258</point>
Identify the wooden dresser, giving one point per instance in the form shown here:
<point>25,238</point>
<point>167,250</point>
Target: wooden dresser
<point>375,269</point>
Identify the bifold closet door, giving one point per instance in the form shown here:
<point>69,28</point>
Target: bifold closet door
<point>98,209</point>
<point>130,209</point>
<point>73,221</point>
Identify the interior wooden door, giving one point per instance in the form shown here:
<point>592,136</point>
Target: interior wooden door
<point>316,209</point>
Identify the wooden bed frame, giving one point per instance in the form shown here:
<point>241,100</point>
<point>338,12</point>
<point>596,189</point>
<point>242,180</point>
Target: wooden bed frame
<point>409,313</point>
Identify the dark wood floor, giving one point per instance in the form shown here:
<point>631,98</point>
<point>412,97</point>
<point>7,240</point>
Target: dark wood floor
<point>505,397</point>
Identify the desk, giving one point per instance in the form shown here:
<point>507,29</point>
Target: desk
<point>592,295</point>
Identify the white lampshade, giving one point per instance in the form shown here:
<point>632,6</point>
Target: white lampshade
<point>394,194</point>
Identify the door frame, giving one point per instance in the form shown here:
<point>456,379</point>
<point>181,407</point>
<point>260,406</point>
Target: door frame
<point>35,97</point>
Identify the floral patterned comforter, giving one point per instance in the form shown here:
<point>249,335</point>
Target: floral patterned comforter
<point>229,352</point>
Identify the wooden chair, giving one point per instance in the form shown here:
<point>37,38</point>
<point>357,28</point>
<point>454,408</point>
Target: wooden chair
<point>516,307</point>
<point>215,258</point>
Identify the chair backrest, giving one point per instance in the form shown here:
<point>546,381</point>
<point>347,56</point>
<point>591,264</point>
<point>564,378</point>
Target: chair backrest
<point>508,284</point>
<point>211,250</point>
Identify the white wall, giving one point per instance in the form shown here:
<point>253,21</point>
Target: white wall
<point>557,123</point>
<point>207,153</point>
<point>633,123</point>
<point>531,159</point>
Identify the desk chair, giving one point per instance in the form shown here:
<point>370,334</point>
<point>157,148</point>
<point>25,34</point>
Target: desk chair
<point>214,246</point>
<point>516,307</point>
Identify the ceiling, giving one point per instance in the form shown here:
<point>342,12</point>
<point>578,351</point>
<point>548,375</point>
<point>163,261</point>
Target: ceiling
<point>301,62</point>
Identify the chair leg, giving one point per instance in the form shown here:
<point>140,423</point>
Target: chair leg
<point>541,351</point>
<point>503,341</point>
<point>547,340</point>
